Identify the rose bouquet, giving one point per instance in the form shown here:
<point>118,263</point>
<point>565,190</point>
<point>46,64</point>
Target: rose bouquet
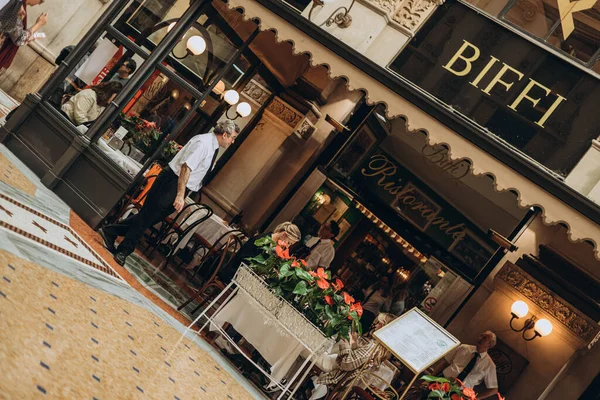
<point>314,293</point>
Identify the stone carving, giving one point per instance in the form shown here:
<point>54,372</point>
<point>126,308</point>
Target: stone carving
<point>411,13</point>
<point>285,112</point>
<point>528,10</point>
<point>256,92</point>
<point>408,13</point>
<point>550,303</point>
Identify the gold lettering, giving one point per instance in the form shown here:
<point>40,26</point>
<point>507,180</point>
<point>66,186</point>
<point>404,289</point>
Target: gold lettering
<point>484,71</point>
<point>566,9</point>
<point>467,60</point>
<point>498,78</point>
<point>525,94</point>
<point>552,108</point>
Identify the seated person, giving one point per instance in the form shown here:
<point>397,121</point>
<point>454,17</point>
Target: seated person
<point>352,356</point>
<point>87,105</point>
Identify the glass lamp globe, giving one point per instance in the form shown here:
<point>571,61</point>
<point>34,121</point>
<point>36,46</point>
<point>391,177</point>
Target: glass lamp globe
<point>171,26</point>
<point>196,45</point>
<point>219,88</point>
<point>543,327</point>
<point>243,109</point>
<point>231,97</point>
<point>520,309</point>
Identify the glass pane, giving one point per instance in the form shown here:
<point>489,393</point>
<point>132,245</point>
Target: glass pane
<point>99,75</point>
<point>537,17</point>
<point>143,18</point>
<point>146,120</point>
<point>491,7</point>
<point>584,40</point>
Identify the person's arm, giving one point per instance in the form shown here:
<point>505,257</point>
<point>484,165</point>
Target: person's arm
<point>184,176</point>
<point>487,393</point>
<point>41,21</point>
<point>352,359</point>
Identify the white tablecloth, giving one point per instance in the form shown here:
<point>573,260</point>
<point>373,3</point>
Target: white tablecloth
<point>279,350</point>
<point>131,166</point>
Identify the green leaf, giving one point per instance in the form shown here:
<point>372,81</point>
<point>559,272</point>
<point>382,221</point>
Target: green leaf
<point>260,259</point>
<point>429,378</point>
<point>301,288</point>
<point>264,241</point>
<point>319,307</point>
<point>284,271</point>
<point>436,394</point>
<point>302,274</point>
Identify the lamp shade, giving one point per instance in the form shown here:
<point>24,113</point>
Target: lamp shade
<point>171,26</point>
<point>231,97</point>
<point>219,88</point>
<point>520,309</point>
<point>543,327</point>
<point>196,45</point>
<point>243,109</point>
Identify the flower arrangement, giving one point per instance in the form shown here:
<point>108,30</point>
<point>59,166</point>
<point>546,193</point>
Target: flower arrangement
<point>453,389</point>
<point>319,297</point>
<point>142,134</point>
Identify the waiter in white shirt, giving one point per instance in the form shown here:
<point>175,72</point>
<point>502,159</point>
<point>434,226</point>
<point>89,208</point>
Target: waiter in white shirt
<point>472,365</point>
<point>321,248</point>
<point>186,172</point>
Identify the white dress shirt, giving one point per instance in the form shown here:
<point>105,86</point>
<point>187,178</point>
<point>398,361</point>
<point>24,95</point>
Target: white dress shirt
<point>483,371</point>
<point>197,154</point>
<point>322,254</point>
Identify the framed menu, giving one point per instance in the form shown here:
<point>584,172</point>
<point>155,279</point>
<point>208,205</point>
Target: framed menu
<point>416,340</point>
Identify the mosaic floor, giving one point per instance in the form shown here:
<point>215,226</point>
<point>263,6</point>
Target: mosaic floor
<point>76,325</point>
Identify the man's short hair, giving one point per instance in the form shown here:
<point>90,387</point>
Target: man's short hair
<point>227,126</point>
<point>334,228</point>
<point>131,65</point>
<point>492,336</point>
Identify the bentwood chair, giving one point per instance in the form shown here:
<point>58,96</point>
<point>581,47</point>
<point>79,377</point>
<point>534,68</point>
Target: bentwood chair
<point>172,228</point>
<point>134,199</point>
<point>212,264</point>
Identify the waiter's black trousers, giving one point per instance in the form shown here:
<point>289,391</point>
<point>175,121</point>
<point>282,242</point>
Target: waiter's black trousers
<point>158,205</point>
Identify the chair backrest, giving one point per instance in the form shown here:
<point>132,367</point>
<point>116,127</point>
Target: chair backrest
<point>141,191</point>
<point>203,210</point>
<point>218,257</point>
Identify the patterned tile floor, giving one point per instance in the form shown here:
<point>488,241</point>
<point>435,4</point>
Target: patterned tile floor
<point>71,331</point>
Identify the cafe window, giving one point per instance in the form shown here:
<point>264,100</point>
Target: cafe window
<point>577,34</point>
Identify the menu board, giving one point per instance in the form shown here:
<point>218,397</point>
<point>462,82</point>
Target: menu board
<point>416,340</point>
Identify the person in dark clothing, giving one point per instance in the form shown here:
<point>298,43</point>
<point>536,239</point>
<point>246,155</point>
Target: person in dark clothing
<point>286,232</point>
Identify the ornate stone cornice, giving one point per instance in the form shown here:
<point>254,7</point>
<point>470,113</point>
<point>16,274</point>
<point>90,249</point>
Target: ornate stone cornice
<point>407,13</point>
<point>256,93</point>
<point>285,112</point>
<point>582,326</point>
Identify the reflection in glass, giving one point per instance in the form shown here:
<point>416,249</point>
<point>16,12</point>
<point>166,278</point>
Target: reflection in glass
<point>145,122</point>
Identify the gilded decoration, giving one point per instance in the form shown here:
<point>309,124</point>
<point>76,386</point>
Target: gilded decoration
<point>285,112</point>
<point>256,93</point>
<point>408,13</point>
<point>546,300</point>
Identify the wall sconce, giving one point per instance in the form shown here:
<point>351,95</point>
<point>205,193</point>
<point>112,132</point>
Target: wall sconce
<point>341,16</point>
<point>231,97</point>
<point>502,241</point>
<point>242,110</point>
<point>195,46</point>
<point>541,327</point>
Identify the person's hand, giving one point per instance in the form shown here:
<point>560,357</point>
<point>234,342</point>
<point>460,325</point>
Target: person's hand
<point>42,19</point>
<point>179,203</point>
<point>353,338</point>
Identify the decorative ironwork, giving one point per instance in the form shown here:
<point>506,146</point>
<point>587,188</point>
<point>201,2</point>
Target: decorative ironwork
<point>548,301</point>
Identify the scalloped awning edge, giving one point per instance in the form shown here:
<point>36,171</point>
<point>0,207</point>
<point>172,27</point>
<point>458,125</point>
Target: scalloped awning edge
<point>554,211</point>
